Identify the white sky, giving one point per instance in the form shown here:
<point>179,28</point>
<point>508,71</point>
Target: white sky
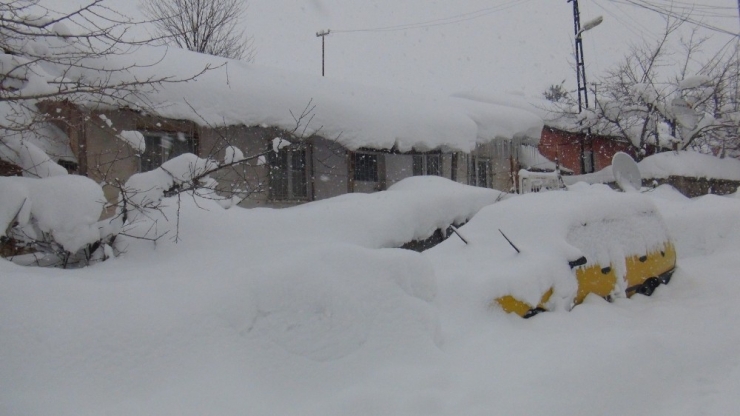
<point>519,46</point>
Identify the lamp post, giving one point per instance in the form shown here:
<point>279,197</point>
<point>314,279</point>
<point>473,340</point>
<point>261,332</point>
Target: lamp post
<point>581,70</point>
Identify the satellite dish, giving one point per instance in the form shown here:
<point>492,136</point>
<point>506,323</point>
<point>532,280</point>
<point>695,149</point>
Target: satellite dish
<point>626,172</point>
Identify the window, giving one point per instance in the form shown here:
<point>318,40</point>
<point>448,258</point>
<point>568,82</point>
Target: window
<point>163,146</point>
<point>427,164</point>
<point>588,161</point>
<point>479,172</point>
<point>288,179</point>
<point>365,167</point>
<point>434,165</point>
<point>453,167</point>
<point>483,172</point>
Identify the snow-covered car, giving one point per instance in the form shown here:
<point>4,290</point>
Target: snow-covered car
<point>548,251</point>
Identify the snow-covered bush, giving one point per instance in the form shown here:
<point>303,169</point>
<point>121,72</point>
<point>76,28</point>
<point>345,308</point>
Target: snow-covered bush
<point>144,191</point>
<point>55,219</point>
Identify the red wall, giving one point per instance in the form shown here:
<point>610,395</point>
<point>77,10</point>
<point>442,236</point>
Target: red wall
<point>566,148</point>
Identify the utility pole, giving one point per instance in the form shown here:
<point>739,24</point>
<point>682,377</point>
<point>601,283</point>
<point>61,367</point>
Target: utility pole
<point>580,66</point>
<point>581,77</point>
<point>323,35</point>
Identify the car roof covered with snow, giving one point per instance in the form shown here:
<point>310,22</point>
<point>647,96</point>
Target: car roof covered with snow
<point>550,229</point>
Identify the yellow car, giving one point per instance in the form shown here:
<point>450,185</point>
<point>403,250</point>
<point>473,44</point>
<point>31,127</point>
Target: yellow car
<point>548,251</point>
<point>644,274</point>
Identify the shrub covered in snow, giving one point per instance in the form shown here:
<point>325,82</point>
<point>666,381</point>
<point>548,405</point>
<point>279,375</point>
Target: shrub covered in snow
<point>57,216</point>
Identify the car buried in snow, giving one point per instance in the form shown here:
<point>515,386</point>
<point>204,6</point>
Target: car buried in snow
<point>547,251</point>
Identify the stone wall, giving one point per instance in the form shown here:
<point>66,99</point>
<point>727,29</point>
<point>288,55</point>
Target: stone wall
<point>692,187</point>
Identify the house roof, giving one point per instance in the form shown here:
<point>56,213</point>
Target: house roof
<point>236,93</point>
<point>560,116</point>
<point>354,115</point>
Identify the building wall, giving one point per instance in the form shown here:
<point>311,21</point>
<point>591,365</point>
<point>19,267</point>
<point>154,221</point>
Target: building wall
<point>459,168</point>
<point>251,178</point>
<point>498,153</point>
<point>71,121</point>
<point>605,149</point>
<point>330,167</point>
<point>110,160</point>
<point>562,147</point>
<point>693,187</point>
<point>398,167</point>
<point>329,170</point>
<point>566,147</point>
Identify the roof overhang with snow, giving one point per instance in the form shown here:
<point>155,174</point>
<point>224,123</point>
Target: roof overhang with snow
<point>356,116</point>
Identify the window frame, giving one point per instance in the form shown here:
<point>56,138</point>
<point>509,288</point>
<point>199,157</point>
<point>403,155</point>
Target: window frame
<point>290,178</point>
<point>365,172</point>
<point>164,153</point>
<point>474,171</point>
<point>421,165</point>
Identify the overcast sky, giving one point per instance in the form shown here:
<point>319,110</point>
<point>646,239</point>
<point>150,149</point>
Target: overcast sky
<point>517,46</point>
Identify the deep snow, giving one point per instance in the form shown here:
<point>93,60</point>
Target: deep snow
<point>308,311</point>
<point>666,164</point>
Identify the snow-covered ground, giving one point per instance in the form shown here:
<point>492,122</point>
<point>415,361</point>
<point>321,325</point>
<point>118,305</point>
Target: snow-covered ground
<point>310,310</point>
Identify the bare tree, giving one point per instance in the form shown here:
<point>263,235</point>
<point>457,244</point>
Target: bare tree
<point>76,58</point>
<point>659,98</point>
<point>206,26</point>
<point>51,61</point>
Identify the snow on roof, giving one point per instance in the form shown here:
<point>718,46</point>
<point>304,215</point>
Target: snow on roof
<point>531,158</point>
<point>502,121</point>
<point>558,115</point>
<point>539,106</point>
<point>236,93</point>
<point>663,165</point>
<point>35,149</point>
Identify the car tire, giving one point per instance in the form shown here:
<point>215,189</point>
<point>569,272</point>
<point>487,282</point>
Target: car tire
<point>648,286</point>
<point>532,312</point>
<point>666,277</point>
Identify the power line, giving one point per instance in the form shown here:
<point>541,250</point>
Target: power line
<point>686,17</point>
<point>441,21</point>
<point>633,25</point>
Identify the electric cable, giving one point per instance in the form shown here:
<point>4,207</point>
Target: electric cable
<point>441,21</point>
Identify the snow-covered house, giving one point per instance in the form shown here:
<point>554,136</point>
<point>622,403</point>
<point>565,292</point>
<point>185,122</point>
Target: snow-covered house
<point>564,138</point>
<point>306,137</point>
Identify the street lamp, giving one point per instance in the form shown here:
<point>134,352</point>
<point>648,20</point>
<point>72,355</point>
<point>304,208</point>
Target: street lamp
<point>580,66</point>
<point>590,25</point>
<point>581,71</point>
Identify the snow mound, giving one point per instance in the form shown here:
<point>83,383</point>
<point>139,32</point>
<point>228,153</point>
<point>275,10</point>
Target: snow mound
<point>328,311</point>
<point>66,207</point>
<point>699,226</point>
